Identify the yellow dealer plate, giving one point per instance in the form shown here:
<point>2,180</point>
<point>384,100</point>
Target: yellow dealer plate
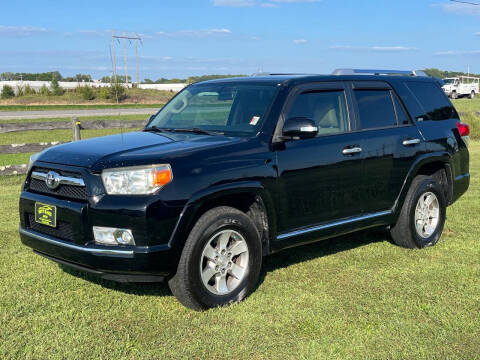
<point>46,214</point>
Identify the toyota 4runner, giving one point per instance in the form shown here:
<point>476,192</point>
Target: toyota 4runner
<point>232,170</point>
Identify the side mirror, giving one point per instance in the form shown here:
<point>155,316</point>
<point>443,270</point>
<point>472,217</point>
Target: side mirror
<point>299,128</point>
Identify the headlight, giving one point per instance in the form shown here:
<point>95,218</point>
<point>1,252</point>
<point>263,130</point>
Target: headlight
<point>137,180</point>
<point>33,158</point>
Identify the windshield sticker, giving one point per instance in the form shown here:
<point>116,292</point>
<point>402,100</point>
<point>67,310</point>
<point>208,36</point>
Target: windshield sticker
<point>254,120</point>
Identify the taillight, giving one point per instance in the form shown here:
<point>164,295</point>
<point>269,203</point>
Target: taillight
<point>463,129</point>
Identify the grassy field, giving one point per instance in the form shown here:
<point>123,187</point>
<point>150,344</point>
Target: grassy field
<point>352,297</point>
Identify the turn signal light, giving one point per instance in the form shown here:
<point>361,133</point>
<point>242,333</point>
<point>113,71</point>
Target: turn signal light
<point>463,129</point>
<point>162,176</point>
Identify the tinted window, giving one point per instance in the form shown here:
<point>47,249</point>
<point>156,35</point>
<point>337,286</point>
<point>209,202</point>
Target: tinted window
<point>433,101</point>
<point>402,116</point>
<point>230,108</point>
<point>375,108</point>
<point>326,108</point>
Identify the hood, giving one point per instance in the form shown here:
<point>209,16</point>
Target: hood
<point>134,148</point>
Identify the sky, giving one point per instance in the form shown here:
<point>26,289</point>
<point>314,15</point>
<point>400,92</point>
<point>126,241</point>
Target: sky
<point>182,38</point>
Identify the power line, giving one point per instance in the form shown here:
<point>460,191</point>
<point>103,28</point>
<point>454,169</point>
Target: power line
<point>125,38</point>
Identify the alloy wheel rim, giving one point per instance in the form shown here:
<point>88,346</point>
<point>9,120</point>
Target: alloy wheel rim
<point>427,214</point>
<point>224,262</point>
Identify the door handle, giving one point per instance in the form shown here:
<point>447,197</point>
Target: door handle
<point>352,150</point>
<point>408,142</point>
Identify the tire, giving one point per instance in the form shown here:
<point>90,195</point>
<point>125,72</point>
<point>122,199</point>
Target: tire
<point>405,232</point>
<point>201,293</point>
<point>472,95</point>
<point>454,95</point>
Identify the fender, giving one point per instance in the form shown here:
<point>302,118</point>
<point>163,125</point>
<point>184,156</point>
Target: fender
<point>191,210</point>
<point>422,160</point>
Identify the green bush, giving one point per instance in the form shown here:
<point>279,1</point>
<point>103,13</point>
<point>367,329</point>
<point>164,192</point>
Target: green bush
<point>44,90</point>
<point>104,93</point>
<point>56,89</point>
<point>28,90</point>
<point>20,90</point>
<point>86,92</point>
<point>117,91</point>
<point>7,92</point>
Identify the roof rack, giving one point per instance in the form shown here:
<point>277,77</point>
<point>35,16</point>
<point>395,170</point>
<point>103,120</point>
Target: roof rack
<point>275,74</point>
<point>379,72</point>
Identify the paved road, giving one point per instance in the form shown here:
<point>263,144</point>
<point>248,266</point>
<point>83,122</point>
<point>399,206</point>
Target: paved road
<point>4,115</point>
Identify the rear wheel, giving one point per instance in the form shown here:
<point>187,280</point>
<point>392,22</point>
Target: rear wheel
<point>422,217</point>
<point>454,95</point>
<point>221,261</point>
<point>472,95</point>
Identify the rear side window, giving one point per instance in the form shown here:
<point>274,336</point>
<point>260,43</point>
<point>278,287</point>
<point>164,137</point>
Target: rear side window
<point>432,100</point>
<point>375,108</point>
<point>328,109</point>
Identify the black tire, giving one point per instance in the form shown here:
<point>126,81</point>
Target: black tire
<point>187,285</point>
<point>454,95</point>
<point>472,95</point>
<point>404,232</point>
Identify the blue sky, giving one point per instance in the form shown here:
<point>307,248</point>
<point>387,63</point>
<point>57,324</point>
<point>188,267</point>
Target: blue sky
<point>194,37</point>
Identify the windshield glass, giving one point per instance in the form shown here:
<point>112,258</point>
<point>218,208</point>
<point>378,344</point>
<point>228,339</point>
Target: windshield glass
<point>226,108</point>
<point>449,81</point>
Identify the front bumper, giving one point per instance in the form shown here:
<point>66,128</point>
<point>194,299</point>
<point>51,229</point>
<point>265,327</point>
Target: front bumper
<point>128,264</point>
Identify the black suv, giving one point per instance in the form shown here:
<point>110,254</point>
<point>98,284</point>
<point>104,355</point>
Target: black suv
<point>235,169</point>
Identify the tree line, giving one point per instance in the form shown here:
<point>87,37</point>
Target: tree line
<point>442,74</point>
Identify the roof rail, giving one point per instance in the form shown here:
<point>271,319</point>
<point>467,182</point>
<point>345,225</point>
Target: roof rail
<point>275,74</point>
<point>379,72</point>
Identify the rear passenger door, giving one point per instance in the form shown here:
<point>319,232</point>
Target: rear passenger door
<point>390,142</point>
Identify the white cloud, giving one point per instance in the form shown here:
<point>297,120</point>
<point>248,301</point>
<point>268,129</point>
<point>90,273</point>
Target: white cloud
<point>373,48</point>
<point>21,31</point>
<point>457,53</point>
<point>261,3</point>
<point>299,41</point>
<point>196,33</point>
<point>234,3</point>
<point>459,8</point>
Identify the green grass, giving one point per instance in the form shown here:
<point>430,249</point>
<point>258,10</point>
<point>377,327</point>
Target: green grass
<point>354,297</point>
<point>470,110</point>
<point>75,107</point>
<point>81,118</point>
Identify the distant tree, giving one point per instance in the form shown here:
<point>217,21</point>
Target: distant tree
<point>44,90</point>
<point>55,87</point>
<point>442,74</point>
<point>7,76</point>
<point>147,81</point>
<point>28,90</point>
<point>7,92</point>
<point>120,79</point>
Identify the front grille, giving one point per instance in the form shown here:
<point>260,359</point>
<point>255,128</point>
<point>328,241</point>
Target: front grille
<point>63,230</point>
<point>65,191</point>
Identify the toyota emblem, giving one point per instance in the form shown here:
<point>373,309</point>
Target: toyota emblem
<point>52,180</point>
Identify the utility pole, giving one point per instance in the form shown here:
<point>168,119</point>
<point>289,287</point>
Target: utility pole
<point>136,57</point>
<point>125,58</point>
<point>125,37</point>
<point>114,58</point>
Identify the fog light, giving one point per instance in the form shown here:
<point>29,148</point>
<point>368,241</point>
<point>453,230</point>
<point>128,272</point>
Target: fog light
<point>113,236</point>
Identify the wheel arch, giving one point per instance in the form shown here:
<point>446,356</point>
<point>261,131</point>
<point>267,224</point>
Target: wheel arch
<point>436,165</point>
<point>249,197</point>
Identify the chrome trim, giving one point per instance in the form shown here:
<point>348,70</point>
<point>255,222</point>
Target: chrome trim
<point>94,251</point>
<point>351,151</point>
<point>332,224</point>
<point>63,180</point>
<point>410,142</point>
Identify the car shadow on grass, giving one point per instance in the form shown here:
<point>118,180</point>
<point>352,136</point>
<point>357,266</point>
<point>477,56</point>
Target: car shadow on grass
<point>271,263</point>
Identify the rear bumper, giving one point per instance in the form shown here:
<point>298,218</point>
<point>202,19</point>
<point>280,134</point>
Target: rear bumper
<point>125,264</point>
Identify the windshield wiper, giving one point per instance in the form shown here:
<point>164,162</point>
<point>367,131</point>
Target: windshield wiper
<point>197,130</point>
<point>155,129</point>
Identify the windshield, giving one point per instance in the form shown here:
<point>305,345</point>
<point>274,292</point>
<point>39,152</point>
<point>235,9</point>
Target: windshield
<point>449,81</point>
<point>236,109</point>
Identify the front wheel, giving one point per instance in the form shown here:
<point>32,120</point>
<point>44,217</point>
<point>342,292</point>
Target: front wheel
<point>220,262</point>
<point>422,217</point>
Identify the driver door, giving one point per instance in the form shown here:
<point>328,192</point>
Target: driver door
<point>319,179</point>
